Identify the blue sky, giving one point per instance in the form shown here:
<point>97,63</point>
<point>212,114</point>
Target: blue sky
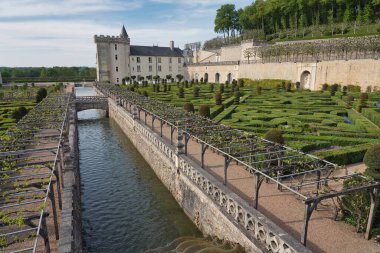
<point>60,32</point>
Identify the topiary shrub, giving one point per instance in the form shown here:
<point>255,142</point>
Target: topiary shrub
<point>363,96</point>
<point>18,113</point>
<point>241,82</point>
<point>237,97</point>
<point>275,135</point>
<point>204,111</point>
<point>325,86</point>
<point>344,90</point>
<point>218,98</point>
<point>372,161</point>
<point>289,87</point>
<point>221,88</point>
<point>298,85</point>
<point>145,93</point>
<point>211,86</point>
<point>362,104</point>
<point>181,93</point>
<point>41,94</point>
<point>196,92</point>
<point>258,90</point>
<point>189,107</point>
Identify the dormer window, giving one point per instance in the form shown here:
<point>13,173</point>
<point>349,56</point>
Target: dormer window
<point>115,46</point>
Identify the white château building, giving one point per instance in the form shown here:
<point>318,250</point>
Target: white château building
<point>116,59</point>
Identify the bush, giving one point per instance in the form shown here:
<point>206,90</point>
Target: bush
<point>258,90</point>
<point>189,107</point>
<point>41,94</point>
<point>221,88</point>
<point>344,90</point>
<point>196,92</point>
<point>275,135</point>
<point>362,104</point>
<point>204,111</point>
<point>325,86</point>
<point>18,113</point>
<point>237,95</point>
<point>298,85</point>
<point>372,160</point>
<point>289,87</point>
<point>241,82</point>
<point>363,96</point>
<point>145,93</point>
<point>211,87</point>
<point>181,93</point>
<point>218,98</point>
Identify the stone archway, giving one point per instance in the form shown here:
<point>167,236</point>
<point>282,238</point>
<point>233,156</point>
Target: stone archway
<point>305,80</point>
<point>206,78</point>
<point>217,78</point>
<point>229,78</point>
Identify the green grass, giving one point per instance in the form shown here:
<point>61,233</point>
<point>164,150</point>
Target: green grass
<point>310,121</point>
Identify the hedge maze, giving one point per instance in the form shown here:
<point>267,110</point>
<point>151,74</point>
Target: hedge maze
<point>325,123</point>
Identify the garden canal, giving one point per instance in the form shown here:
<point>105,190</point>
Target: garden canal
<point>125,207</point>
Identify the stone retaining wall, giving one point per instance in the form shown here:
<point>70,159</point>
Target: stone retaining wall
<point>215,209</point>
<point>70,229</point>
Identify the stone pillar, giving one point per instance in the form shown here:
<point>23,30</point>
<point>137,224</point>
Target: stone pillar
<point>134,116</point>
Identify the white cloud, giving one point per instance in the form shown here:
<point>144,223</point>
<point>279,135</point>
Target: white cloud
<point>38,8</point>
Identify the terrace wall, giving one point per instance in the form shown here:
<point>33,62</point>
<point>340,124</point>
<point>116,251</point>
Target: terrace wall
<point>362,72</point>
<point>215,209</point>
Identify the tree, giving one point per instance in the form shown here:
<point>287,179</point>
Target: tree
<point>372,161</point>
<point>249,52</point>
<point>196,92</point>
<point>181,92</point>
<point>275,135</point>
<point>218,98</point>
<point>204,111</point>
<point>189,107</point>
<point>179,77</point>
<point>226,20</point>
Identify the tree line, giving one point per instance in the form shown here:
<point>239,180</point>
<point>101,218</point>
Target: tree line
<point>36,74</point>
<point>266,17</point>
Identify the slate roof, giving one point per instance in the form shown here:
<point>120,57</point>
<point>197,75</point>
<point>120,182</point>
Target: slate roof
<point>123,33</point>
<point>156,51</point>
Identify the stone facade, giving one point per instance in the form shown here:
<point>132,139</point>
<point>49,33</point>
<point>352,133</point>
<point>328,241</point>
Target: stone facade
<point>231,60</point>
<point>116,59</point>
<point>215,209</point>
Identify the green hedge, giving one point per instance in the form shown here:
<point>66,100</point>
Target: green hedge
<point>372,115</point>
<point>216,110</point>
<point>344,156</point>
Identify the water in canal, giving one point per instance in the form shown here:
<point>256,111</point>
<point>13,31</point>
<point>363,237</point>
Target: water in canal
<point>125,208</point>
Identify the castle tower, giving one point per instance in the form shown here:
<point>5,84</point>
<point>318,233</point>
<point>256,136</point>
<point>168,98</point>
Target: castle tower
<point>112,57</point>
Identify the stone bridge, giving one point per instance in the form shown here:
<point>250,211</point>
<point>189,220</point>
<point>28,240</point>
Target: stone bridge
<point>91,102</point>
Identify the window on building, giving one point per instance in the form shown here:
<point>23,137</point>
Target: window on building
<point>150,68</point>
<point>159,68</point>
<point>115,46</point>
<point>133,59</point>
<point>179,60</point>
<point>117,80</point>
<point>150,59</point>
<point>170,68</point>
<point>159,59</point>
<point>117,69</point>
<point>138,68</point>
<point>170,60</point>
<point>116,57</point>
<point>138,59</point>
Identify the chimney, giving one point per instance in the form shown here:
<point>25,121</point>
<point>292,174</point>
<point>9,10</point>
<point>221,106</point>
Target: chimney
<point>172,45</point>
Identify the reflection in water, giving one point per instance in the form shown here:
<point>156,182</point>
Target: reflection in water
<point>125,207</point>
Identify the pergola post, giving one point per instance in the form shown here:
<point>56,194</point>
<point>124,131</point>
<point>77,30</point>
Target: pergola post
<point>227,161</point>
<point>45,235</point>
<point>146,114</point>
<point>309,208</point>
<point>371,216</point>
<point>187,138</point>
<point>171,134</point>
<point>161,126</point>
<point>258,182</point>
<point>55,217</point>
<point>153,118</point>
<point>203,151</point>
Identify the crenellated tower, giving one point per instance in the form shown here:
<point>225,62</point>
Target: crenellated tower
<point>112,58</point>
